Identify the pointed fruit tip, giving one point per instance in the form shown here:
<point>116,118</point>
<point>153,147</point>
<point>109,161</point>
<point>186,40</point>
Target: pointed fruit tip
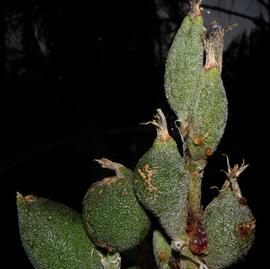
<point>28,198</point>
<point>19,196</point>
<point>108,164</point>
<point>195,9</point>
<point>160,123</point>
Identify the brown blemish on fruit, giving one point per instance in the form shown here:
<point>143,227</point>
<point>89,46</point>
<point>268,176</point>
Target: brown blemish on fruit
<point>147,174</point>
<point>27,198</point>
<point>247,228</point>
<point>107,181</point>
<point>242,200</point>
<point>163,257</point>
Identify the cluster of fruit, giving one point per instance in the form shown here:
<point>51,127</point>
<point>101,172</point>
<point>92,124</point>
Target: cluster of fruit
<point>165,182</point>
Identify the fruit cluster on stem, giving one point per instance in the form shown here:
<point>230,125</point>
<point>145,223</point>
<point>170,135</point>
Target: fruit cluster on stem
<point>165,183</point>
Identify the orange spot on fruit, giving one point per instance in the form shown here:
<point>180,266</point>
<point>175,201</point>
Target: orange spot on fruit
<point>247,228</point>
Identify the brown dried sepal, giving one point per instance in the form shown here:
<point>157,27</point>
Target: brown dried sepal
<point>28,198</point>
<point>160,123</point>
<point>195,8</point>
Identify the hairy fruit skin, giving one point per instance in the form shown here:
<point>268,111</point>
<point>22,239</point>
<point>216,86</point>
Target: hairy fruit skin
<point>113,218</point>
<point>165,183</point>
<point>160,182</point>
<point>53,235</point>
<point>209,115</point>
<point>162,252</point>
<point>231,229</point>
<point>183,65</point>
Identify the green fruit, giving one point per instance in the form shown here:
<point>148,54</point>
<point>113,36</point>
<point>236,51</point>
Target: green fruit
<point>162,251</point>
<point>112,216</point>
<point>160,181</point>
<point>184,64</point>
<point>53,235</point>
<point>230,226</point>
<point>209,114</point>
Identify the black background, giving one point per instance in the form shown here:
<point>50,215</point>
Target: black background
<point>86,100</point>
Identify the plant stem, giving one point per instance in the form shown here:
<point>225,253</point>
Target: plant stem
<point>195,170</point>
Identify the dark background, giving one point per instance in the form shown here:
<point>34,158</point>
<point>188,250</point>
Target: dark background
<point>76,81</point>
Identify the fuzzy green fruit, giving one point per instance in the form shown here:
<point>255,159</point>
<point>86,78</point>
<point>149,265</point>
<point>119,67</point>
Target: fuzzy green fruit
<point>162,251</point>
<point>53,235</point>
<point>230,225</point>
<point>112,216</point>
<point>209,113</point>
<point>160,181</point>
<point>184,64</point>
